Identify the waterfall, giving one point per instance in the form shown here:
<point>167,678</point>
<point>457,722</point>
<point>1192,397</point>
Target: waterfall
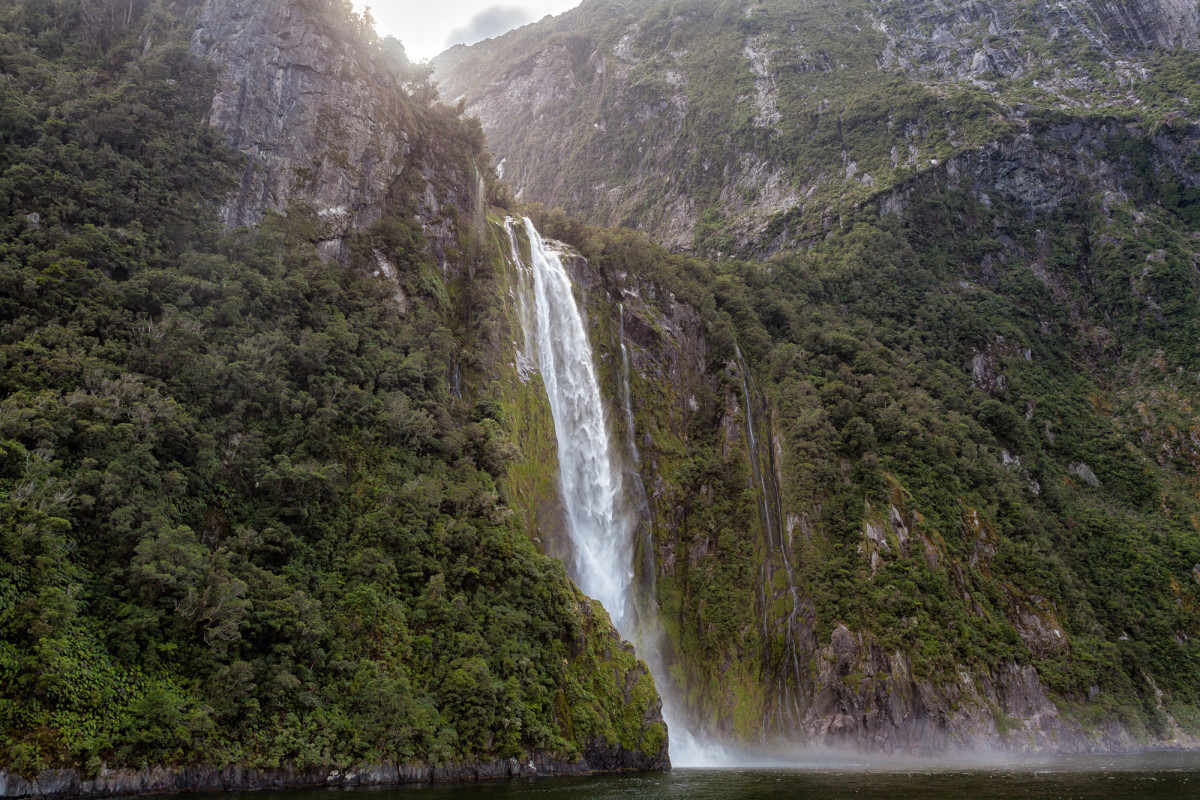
<point>650,641</point>
<point>600,518</point>
<point>480,204</point>
<point>635,457</point>
<point>527,352</point>
<point>599,522</point>
<point>771,517</point>
<point>631,428</point>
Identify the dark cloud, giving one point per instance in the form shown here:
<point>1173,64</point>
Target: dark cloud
<point>492,21</point>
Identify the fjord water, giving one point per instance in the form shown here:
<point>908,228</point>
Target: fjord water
<point>1162,776</point>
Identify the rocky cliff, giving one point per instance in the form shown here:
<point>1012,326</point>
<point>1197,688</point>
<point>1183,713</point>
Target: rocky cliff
<point>920,477</point>
<point>954,222</point>
<point>786,621</point>
<point>283,550</point>
<point>325,116</point>
<point>726,127</point>
<point>821,510</point>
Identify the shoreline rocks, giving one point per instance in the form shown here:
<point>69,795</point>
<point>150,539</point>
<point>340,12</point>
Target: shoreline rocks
<point>68,783</point>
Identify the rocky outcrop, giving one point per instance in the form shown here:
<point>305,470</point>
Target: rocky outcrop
<point>732,145</point>
<point>305,108</point>
<point>867,699</point>
<point>322,117</point>
<point>986,39</point>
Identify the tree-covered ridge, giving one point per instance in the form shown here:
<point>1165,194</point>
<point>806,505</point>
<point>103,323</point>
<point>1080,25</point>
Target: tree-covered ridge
<point>245,520</point>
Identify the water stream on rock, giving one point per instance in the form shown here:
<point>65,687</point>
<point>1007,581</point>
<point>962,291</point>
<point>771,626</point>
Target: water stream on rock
<point>787,699</point>
<point>598,519</point>
<point>602,516</point>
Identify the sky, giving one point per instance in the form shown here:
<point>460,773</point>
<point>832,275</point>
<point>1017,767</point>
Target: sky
<point>427,27</point>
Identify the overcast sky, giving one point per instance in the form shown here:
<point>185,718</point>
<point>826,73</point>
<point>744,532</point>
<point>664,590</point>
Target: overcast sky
<point>427,27</point>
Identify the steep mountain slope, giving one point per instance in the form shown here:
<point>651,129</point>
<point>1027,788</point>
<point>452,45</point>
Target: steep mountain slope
<point>734,126</point>
<point>250,530</point>
<point>925,474</point>
<point>282,497</point>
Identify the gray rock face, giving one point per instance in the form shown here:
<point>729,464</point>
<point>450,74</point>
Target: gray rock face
<point>311,113</point>
<point>320,118</point>
<point>867,699</point>
<point>988,38</point>
<point>597,112</point>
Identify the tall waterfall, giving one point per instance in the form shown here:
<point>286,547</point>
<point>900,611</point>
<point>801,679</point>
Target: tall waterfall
<point>601,516</point>
<point>598,516</point>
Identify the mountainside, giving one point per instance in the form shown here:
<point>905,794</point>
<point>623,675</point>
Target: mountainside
<point>894,391</point>
<point>954,395</point>
<point>739,127</point>
<point>251,532</point>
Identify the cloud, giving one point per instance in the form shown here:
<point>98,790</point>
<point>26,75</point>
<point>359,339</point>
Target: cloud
<point>492,21</point>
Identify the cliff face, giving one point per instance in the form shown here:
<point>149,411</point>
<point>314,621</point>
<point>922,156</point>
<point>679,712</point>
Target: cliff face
<point>757,631</point>
<point>729,127</point>
<point>807,576</point>
<point>304,459</point>
<point>805,581</point>
<point>323,116</point>
<point>308,111</point>
<point>986,40</point>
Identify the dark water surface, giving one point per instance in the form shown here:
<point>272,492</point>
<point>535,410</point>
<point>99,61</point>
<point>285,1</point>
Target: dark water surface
<point>1161,776</point>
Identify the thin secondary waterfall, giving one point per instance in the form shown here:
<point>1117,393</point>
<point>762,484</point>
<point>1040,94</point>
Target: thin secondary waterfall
<point>635,457</point>
<point>770,512</point>
<point>788,703</point>
<point>600,517</point>
<point>626,396</point>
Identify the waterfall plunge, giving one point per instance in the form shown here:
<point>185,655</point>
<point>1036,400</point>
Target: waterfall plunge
<point>599,520</point>
<point>600,515</point>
